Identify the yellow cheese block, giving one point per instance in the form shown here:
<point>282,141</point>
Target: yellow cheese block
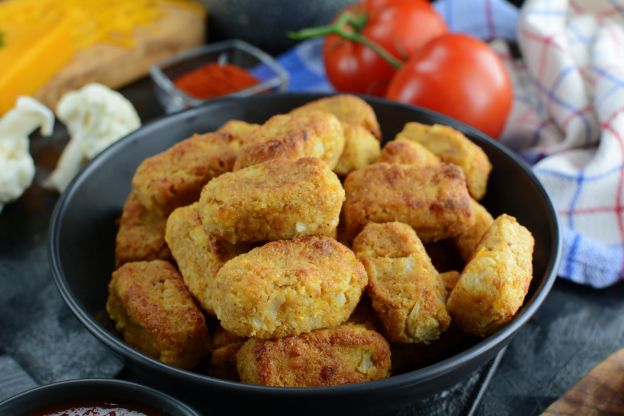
<point>30,56</point>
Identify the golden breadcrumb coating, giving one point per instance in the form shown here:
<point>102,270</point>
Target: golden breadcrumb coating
<point>293,136</point>
<point>175,177</point>
<point>432,199</point>
<point>155,313</point>
<point>223,362</point>
<point>391,239</point>
<point>450,279</point>
<point>241,131</point>
<point>223,337</point>
<point>361,149</point>
<point>288,287</point>
<point>495,281</point>
<point>406,290</point>
<point>451,146</point>
<point>198,254</point>
<point>224,347</point>
<point>467,241</point>
<point>349,109</point>
<point>275,200</point>
<point>407,152</point>
<point>141,234</point>
<point>326,357</point>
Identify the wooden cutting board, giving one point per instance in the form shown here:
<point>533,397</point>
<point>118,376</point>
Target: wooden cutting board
<point>180,28</point>
<point>599,392</point>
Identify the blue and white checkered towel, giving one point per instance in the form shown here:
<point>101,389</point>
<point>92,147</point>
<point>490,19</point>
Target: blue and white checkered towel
<point>567,118</point>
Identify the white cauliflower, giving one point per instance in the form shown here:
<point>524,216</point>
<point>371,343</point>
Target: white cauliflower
<point>17,168</point>
<point>96,117</point>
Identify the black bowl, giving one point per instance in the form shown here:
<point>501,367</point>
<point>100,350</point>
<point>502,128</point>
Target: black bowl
<point>82,239</point>
<point>76,392</point>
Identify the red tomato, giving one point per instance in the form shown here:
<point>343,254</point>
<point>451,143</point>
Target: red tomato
<point>459,76</point>
<point>402,27</point>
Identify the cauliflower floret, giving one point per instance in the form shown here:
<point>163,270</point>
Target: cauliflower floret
<point>17,166</point>
<point>96,117</point>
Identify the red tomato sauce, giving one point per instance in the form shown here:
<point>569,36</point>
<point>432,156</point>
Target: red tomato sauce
<point>214,80</point>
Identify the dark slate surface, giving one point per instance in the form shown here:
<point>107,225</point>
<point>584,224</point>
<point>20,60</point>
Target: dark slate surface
<point>575,329</point>
<point>37,330</point>
<point>41,341</point>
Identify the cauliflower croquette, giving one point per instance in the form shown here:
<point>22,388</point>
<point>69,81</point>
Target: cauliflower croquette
<point>326,357</point>
<point>406,290</point>
<point>223,337</point>
<point>408,153</point>
<point>198,254</point>
<point>241,130</point>
<point>288,287</point>
<point>467,241</point>
<point>223,362</point>
<point>391,239</point>
<point>495,281</point>
<point>450,279</point>
<point>432,199</point>
<point>294,136</point>
<point>451,146</point>
<point>175,177</point>
<point>141,234</point>
<point>155,313</point>
<point>300,252</point>
<point>275,200</point>
<point>349,109</point>
<point>361,149</point>
<point>224,347</point>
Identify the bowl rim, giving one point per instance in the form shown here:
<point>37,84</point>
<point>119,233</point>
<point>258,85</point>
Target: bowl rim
<point>484,346</point>
<point>95,382</point>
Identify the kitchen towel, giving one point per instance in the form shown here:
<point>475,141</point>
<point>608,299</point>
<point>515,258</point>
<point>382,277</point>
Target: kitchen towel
<point>566,118</point>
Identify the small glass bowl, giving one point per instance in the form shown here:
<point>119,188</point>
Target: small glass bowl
<point>272,77</point>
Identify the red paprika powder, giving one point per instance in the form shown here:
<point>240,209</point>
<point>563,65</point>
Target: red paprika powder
<point>214,80</point>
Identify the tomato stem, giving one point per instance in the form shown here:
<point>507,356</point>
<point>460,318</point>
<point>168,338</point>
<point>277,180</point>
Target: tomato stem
<point>357,21</point>
<point>347,26</point>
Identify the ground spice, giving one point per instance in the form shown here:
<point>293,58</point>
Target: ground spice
<point>213,80</point>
